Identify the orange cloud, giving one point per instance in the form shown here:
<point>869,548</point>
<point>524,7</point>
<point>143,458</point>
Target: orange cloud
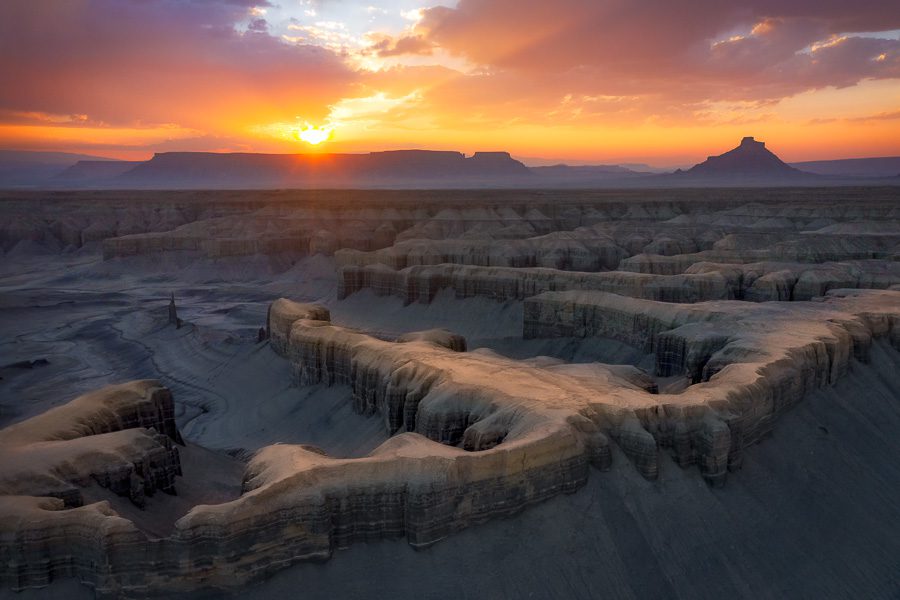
<point>602,79</point>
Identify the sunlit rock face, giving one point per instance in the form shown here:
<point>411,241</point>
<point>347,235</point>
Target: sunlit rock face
<point>721,315</point>
<point>122,437</point>
<point>467,445</point>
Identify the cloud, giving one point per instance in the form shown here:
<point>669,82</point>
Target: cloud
<point>683,52</point>
<point>347,114</point>
<point>409,44</point>
<point>893,115</point>
<point>520,73</point>
<point>189,62</point>
<point>258,25</point>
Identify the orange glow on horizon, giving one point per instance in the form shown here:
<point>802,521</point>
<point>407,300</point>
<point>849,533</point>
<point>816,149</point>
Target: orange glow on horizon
<point>560,81</point>
<point>314,135</point>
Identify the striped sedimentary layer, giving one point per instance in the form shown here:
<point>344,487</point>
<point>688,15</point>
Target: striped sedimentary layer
<point>421,283</point>
<point>475,435</point>
<point>749,362</point>
<point>122,438</point>
<point>773,247</point>
<point>758,282</point>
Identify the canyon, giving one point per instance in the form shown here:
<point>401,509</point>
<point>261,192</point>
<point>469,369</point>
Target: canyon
<point>360,376</point>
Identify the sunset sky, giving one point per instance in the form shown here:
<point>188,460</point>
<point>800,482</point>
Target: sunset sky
<point>659,81</point>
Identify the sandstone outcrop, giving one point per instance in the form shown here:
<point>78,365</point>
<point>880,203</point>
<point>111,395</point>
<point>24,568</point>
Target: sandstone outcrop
<point>467,446</point>
<point>757,282</point>
<point>441,337</point>
<point>474,435</point>
<point>120,437</point>
<point>753,248</point>
<point>749,362</point>
<point>282,315</point>
<point>233,223</point>
<point>421,283</point>
<point>587,248</point>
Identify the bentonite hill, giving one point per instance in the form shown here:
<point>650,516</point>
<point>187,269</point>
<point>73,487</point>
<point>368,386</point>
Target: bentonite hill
<point>450,299</point>
<point>450,393</point>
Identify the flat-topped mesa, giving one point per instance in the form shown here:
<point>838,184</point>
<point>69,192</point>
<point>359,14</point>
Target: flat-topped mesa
<point>749,140</point>
<point>403,168</point>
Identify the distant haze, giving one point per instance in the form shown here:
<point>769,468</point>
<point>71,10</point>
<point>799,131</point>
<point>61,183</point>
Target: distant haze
<point>749,164</point>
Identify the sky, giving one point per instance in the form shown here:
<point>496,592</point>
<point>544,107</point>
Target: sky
<point>664,82</point>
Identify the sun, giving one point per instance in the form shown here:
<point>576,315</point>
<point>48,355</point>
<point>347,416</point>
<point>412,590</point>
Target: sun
<point>314,135</point>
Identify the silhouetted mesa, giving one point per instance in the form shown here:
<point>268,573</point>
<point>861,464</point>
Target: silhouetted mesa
<point>198,169</point>
<point>86,171</point>
<point>748,165</point>
<point>882,166</point>
<point>750,158</point>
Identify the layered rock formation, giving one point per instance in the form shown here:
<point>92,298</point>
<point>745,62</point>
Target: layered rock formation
<point>467,446</point>
<point>590,231</point>
<point>773,247</point>
<point>282,315</point>
<point>475,435</point>
<point>421,283</point>
<point>757,282</point>
<point>749,362</point>
<point>760,282</point>
<point>120,438</point>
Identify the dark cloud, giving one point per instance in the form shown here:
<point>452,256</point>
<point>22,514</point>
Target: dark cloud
<point>258,26</point>
<point>410,44</point>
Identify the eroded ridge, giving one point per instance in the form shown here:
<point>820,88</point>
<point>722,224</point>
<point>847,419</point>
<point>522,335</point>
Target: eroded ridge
<point>701,282</point>
<point>775,246</point>
<point>120,437</point>
<point>749,362</point>
<point>422,283</point>
<point>475,435</point>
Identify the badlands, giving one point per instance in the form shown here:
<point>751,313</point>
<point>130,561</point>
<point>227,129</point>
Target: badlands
<point>498,393</point>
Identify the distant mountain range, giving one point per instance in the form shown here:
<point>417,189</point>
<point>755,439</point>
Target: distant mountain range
<point>27,168</point>
<point>885,166</point>
<point>408,168</point>
<point>87,171</point>
<point>749,164</point>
